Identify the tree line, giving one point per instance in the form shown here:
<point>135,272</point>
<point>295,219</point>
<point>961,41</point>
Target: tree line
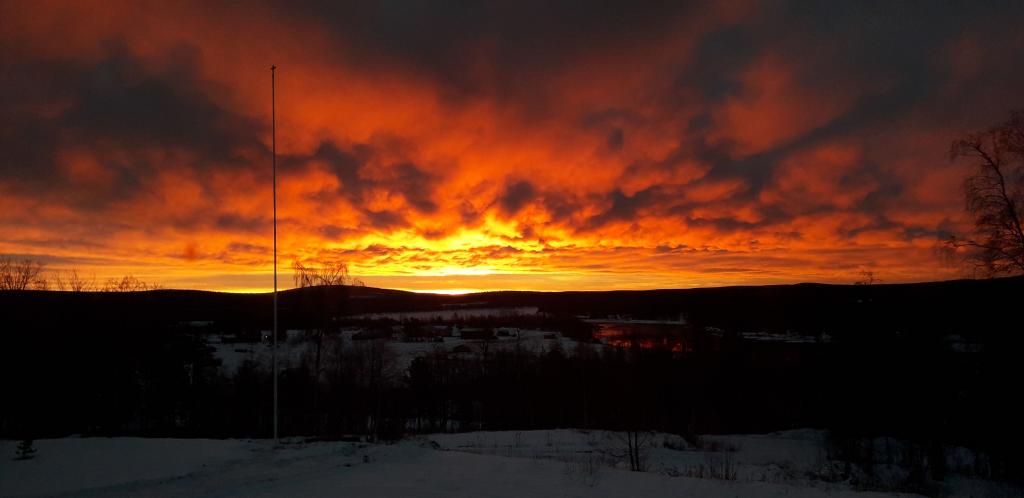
<point>28,274</point>
<point>159,379</point>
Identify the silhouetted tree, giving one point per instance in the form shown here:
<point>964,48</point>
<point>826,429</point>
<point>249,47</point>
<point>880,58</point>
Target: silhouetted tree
<point>324,277</point>
<point>71,281</point>
<point>127,283</point>
<point>994,193</point>
<point>21,275</point>
<point>636,444</point>
<point>375,363</point>
<point>867,277</point>
<point>335,273</point>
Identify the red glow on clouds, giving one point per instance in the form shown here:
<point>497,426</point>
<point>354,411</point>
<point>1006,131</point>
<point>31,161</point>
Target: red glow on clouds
<point>489,150</point>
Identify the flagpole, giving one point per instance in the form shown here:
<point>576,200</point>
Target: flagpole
<point>273,141</point>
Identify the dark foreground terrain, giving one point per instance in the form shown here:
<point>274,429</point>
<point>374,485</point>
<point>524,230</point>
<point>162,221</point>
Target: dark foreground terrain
<point>934,365</point>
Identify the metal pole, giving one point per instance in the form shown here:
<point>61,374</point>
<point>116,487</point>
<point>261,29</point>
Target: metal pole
<point>273,141</point>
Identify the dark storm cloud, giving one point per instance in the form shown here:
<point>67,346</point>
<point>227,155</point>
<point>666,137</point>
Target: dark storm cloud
<point>725,225</point>
<point>624,207</point>
<point>616,139</point>
<point>516,41</point>
<point>895,45</point>
<point>120,106</point>
<point>562,207</point>
<point>516,196</point>
<point>715,64</point>
<point>415,184</point>
<point>241,224</point>
<point>334,232</point>
<point>164,107</point>
<point>867,112</point>
<point>349,165</point>
<point>343,164</point>
<point>385,219</point>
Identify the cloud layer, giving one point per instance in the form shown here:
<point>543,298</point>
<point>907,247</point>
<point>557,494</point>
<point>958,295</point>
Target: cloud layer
<point>477,145</point>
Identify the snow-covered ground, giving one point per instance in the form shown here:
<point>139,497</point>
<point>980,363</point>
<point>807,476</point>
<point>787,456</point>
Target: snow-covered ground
<point>489,464</point>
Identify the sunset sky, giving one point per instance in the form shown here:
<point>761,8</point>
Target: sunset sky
<point>514,145</point>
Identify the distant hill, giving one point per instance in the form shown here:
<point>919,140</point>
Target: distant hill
<point>972,308</point>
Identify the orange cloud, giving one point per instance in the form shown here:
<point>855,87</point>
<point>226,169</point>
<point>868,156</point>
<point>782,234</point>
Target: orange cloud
<point>527,146</point>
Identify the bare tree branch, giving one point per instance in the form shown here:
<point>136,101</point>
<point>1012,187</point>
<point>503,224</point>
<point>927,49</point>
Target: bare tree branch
<point>332,273</point>
<point>21,275</point>
<point>993,194</point>
<point>127,283</point>
<point>71,281</point>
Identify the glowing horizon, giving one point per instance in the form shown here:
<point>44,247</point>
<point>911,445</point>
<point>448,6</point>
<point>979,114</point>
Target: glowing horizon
<point>528,147</point>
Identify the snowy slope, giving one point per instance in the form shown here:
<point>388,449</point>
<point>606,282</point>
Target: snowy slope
<point>504,464</point>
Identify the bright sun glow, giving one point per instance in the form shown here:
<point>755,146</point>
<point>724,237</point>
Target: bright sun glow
<point>597,166</point>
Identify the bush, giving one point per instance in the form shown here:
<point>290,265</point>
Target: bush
<point>25,450</point>
<point>720,467</point>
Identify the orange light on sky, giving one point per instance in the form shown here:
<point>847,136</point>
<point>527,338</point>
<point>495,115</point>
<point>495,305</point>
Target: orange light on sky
<point>476,147</point>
